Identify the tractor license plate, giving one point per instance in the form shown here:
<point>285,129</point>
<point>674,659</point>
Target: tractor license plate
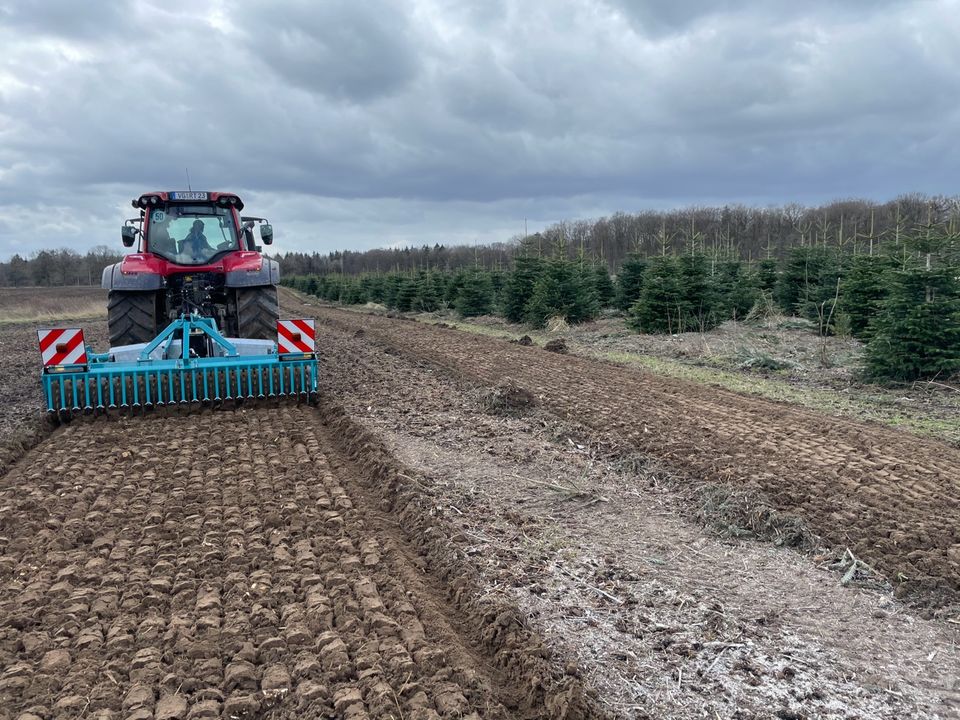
<point>188,195</point>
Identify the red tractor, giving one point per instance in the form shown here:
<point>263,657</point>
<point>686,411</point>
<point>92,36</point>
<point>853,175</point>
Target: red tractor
<point>196,254</point>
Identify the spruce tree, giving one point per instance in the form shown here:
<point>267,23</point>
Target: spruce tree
<point>560,291</point>
<point>603,287</point>
<point>767,272</point>
<point>440,281</point>
<point>427,299</point>
<point>331,290</point>
<point>391,286</point>
<point>699,306</point>
<point>808,283</point>
<point>452,290</point>
<point>630,281</point>
<point>349,291</point>
<point>660,307</point>
<point>497,280</point>
<point>917,331</point>
<point>405,295</point>
<point>736,290</point>
<point>518,287</point>
<point>864,289</point>
<point>375,288</point>
<point>475,295</point>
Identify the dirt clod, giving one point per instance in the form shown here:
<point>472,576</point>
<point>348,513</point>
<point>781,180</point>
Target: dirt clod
<point>558,345</point>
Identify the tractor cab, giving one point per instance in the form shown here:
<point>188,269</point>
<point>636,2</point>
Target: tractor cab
<point>193,228</point>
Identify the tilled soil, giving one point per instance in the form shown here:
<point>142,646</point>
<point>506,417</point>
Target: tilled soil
<point>21,423</point>
<point>891,498</point>
<point>281,562</point>
<point>239,564</point>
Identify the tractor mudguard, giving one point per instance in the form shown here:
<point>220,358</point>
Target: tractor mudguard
<point>114,279</point>
<point>268,274</point>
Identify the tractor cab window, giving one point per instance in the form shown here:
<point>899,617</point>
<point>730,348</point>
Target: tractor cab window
<point>191,234</point>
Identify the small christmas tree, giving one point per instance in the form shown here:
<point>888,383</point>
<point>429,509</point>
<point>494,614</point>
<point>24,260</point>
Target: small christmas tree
<point>699,304</point>
<point>560,291</point>
<point>603,287</point>
<point>475,296</point>
<point>518,287</point>
<point>864,289</point>
<point>916,333</point>
<point>630,281</point>
<point>406,294</point>
<point>660,307</point>
<point>428,297</point>
<point>808,283</point>
<point>767,271</point>
<point>735,290</point>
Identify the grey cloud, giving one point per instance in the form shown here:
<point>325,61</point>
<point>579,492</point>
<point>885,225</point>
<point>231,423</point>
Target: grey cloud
<point>343,49</point>
<point>68,19</point>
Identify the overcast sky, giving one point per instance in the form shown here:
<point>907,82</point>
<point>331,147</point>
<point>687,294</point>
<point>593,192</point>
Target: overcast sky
<point>356,124</point>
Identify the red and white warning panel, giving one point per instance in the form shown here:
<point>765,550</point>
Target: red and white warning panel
<point>62,346</point>
<point>296,336</point>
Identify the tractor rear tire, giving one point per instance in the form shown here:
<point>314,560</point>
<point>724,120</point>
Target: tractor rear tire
<point>131,317</point>
<point>258,310</point>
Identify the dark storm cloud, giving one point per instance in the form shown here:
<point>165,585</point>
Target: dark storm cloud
<point>362,123</point>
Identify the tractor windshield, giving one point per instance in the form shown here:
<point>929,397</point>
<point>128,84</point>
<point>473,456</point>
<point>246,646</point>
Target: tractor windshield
<point>191,234</point>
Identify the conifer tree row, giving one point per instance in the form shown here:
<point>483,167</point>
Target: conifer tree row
<point>903,302</point>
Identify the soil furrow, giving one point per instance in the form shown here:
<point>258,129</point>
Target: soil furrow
<point>892,498</point>
<point>231,564</point>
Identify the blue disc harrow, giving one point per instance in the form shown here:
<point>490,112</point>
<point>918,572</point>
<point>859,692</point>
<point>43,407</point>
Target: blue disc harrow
<point>189,364</point>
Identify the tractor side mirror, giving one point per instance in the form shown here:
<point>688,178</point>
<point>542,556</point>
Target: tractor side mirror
<point>128,234</point>
<point>266,233</point>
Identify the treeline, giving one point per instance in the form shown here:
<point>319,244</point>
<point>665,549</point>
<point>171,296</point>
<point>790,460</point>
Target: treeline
<point>57,267</point>
<point>853,227</point>
<point>903,300</point>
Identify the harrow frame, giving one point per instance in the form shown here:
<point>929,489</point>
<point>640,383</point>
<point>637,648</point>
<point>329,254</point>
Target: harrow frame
<point>105,384</point>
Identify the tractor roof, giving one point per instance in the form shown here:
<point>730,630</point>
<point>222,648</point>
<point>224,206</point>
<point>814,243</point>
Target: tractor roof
<point>223,199</point>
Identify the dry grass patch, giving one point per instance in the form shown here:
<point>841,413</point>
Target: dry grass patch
<point>48,305</point>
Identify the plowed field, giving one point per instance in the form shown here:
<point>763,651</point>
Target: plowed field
<point>233,565</point>
<point>405,552</point>
<point>892,498</point>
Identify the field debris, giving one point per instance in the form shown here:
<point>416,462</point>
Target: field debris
<point>508,398</point>
<point>746,513</point>
<point>558,345</point>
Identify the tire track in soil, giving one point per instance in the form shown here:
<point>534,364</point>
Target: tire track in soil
<point>233,564</point>
<point>892,498</point>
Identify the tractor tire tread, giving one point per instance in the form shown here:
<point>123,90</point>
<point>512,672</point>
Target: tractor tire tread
<point>258,309</point>
<point>131,317</point>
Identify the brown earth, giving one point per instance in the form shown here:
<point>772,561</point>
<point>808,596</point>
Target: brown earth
<point>147,572</point>
<point>891,498</point>
<point>21,425</point>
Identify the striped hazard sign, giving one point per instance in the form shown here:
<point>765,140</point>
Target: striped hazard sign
<point>295,336</point>
<point>62,346</point>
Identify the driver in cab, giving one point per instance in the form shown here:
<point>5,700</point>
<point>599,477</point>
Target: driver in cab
<point>195,242</point>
